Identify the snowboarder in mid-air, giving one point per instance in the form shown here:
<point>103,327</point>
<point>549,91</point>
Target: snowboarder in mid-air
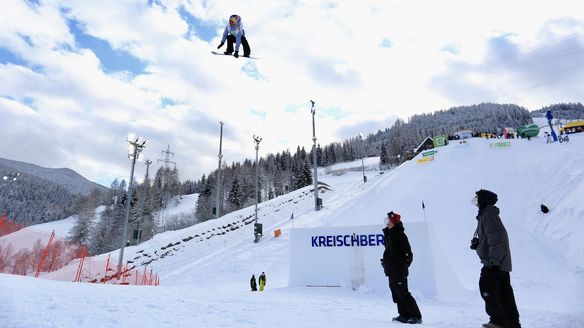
<point>234,32</point>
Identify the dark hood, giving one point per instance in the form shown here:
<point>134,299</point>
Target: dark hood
<point>486,198</point>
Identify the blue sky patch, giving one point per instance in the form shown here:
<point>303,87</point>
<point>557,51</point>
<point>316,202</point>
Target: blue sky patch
<point>203,30</point>
<point>334,112</point>
<point>295,108</point>
<point>452,48</point>
<point>251,70</point>
<point>259,113</point>
<point>33,3</point>
<point>386,43</point>
<point>165,101</point>
<point>111,60</point>
<point>7,57</point>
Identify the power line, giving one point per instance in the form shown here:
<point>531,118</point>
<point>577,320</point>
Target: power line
<point>166,161</point>
<point>506,58</point>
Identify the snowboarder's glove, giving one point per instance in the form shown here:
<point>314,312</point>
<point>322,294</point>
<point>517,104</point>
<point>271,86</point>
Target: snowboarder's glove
<point>220,45</point>
<point>236,54</point>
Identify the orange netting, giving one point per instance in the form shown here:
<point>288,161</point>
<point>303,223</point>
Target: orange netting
<point>7,226</point>
<point>27,251</point>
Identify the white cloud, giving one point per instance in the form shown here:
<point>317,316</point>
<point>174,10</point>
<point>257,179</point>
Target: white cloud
<point>328,51</point>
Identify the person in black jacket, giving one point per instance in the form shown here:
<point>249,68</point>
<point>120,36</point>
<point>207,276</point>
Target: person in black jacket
<point>397,257</point>
<point>252,283</point>
<point>493,250</point>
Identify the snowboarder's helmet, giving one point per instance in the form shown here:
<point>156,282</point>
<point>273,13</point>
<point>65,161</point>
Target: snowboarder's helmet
<point>233,19</point>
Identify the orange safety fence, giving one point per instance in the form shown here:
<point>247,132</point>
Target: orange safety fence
<point>32,252</point>
<point>25,251</point>
<point>7,226</point>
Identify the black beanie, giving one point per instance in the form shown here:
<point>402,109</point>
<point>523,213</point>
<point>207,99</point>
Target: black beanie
<point>485,198</point>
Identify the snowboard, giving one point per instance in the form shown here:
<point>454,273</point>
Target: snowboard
<point>240,56</point>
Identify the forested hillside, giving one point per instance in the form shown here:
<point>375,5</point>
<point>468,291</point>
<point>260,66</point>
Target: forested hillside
<point>31,200</point>
<point>569,111</point>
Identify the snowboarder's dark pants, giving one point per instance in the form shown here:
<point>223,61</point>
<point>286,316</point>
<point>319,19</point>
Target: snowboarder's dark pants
<point>406,304</point>
<point>496,290</point>
<point>231,41</point>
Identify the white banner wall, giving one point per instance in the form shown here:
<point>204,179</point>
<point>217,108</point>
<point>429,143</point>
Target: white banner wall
<point>350,257</point>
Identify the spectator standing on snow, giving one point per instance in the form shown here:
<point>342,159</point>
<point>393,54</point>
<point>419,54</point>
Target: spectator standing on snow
<point>492,247</point>
<point>397,257</point>
<point>262,281</point>
<point>252,284</point>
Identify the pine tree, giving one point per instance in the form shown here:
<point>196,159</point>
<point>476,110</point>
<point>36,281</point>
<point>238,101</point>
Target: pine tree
<point>235,197</point>
<point>205,202</point>
<point>384,159</point>
<point>80,233</point>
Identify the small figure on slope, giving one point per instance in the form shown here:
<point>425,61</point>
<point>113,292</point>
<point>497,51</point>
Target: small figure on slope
<point>252,284</point>
<point>262,281</point>
<point>234,32</point>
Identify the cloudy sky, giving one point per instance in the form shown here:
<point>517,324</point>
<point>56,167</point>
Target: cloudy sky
<point>77,76</point>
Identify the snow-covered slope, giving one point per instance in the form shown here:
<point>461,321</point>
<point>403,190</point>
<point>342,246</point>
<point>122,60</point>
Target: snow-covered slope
<point>205,269</point>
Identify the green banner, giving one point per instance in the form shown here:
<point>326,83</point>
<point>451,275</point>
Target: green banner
<point>429,153</point>
<point>503,144</point>
<point>440,141</point>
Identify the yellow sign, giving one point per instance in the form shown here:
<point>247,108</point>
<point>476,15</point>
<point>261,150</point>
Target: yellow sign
<point>425,159</point>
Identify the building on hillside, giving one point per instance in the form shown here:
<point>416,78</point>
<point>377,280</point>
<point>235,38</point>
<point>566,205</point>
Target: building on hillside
<point>509,133</point>
<point>428,143</point>
<point>464,134</point>
<point>440,141</point>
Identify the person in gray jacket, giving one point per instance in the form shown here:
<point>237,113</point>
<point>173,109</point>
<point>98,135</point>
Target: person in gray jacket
<point>234,33</point>
<point>492,246</point>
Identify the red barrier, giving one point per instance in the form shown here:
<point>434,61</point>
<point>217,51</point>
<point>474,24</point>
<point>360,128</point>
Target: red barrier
<point>81,260</point>
<point>45,254</point>
<point>7,226</point>
<point>29,251</point>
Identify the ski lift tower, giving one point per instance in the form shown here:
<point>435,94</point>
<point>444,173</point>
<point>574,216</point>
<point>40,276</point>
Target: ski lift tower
<point>317,201</point>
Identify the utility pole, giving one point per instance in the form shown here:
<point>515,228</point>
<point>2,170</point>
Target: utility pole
<point>316,204</point>
<point>362,155</point>
<point>136,147</point>
<point>166,167</point>
<point>147,177</point>
<point>166,160</point>
<point>218,189</point>
<point>257,229</point>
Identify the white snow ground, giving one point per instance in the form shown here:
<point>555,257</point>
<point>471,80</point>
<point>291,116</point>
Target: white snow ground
<point>205,282</point>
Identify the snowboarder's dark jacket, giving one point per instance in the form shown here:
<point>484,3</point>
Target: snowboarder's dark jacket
<point>262,278</point>
<point>397,256</point>
<point>493,248</point>
<point>252,283</point>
